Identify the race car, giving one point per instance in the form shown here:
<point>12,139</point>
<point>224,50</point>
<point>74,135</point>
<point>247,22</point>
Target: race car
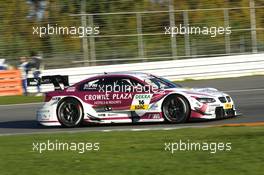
<point>128,97</point>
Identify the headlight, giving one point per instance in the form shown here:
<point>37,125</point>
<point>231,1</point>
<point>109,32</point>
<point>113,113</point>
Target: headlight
<point>206,100</point>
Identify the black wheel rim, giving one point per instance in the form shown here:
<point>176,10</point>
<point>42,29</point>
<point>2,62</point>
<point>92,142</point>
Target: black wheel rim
<point>69,113</point>
<point>175,109</point>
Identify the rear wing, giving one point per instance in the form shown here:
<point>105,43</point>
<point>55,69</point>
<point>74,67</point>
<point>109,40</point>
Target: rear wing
<point>56,80</point>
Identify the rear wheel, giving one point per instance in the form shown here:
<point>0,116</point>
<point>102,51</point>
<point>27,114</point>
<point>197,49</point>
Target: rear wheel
<point>70,113</point>
<point>176,109</point>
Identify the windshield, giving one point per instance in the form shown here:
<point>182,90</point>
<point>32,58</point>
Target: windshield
<point>162,83</point>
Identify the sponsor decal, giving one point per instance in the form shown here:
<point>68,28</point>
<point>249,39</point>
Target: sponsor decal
<point>96,97</point>
<point>123,96</point>
<point>115,96</point>
<point>55,98</point>
<point>152,116</point>
<point>228,106</point>
<point>43,115</point>
<point>141,102</point>
<point>110,102</point>
<point>71,89</point>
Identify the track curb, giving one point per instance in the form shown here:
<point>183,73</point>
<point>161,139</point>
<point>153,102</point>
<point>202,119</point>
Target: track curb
<point>244,124</point>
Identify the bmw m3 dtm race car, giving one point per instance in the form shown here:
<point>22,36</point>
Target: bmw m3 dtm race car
<point>128,97</point>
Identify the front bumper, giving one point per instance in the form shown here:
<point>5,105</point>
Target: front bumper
<point>214,112</point>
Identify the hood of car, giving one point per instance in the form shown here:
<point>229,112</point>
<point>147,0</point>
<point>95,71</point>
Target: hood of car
<point>200,92</point>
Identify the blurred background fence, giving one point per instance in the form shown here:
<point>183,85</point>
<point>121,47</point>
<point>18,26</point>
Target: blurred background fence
<point>130,31</point>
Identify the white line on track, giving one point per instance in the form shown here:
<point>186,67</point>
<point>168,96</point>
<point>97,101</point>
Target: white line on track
<point>110,130</point>
<point>244,90</point>
<point>22,104</point>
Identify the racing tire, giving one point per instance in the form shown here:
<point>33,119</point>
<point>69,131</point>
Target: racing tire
<point>176,109</point>
<point>70,113</point>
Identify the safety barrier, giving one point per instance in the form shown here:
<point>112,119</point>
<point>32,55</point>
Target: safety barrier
<point>10,83</point>
<point>198,68</point>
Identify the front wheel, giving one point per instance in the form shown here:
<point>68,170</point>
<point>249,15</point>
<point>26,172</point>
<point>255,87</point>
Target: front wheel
<point>176,109</point>
<point>70,113</point>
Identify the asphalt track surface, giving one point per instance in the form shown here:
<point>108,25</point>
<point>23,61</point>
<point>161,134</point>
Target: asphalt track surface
<point>247,92</point>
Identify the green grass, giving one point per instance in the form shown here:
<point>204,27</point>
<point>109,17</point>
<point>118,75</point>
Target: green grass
<point>137,153</point>
<point>5,100</point>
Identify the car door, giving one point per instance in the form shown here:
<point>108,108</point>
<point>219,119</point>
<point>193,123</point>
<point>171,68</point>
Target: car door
<point>128,94</point>
<point>91,92</point>
<point>121,94</point>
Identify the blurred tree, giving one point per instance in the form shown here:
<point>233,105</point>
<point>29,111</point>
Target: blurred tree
<point>17,18</point>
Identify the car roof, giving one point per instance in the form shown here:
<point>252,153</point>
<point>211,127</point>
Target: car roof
<point>139,75</point>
